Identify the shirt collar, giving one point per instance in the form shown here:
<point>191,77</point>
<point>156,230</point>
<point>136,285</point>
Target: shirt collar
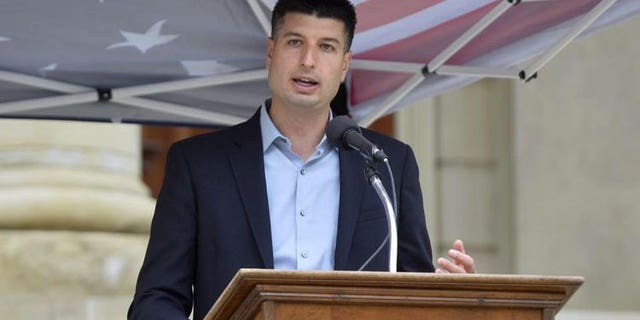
<point>269,131</point>
<point>271,134</point>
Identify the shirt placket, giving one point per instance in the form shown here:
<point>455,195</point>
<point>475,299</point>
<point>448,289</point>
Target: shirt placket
<point>303,248</point>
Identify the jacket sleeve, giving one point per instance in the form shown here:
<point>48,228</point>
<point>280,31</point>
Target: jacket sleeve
<point>164,287</point>
<point>414,247</point>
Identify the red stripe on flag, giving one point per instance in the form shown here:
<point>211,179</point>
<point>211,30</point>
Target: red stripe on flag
<point>519,22</point>
<point>375,13</point>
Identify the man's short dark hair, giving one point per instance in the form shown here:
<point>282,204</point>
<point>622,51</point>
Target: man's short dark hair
<point>341,10</point>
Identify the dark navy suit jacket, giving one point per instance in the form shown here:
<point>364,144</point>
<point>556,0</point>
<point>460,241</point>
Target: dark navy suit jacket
<point>212,218</point>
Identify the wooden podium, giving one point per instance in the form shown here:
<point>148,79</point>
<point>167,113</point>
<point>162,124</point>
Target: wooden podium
<point>347,295</point>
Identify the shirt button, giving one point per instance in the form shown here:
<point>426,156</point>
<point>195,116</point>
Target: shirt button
<point>303,213</point>
<point>302,171</point>
<point>305,254</point>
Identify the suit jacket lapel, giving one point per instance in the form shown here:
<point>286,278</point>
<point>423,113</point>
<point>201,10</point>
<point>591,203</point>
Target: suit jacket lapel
<point>352,186</point>
<point>248,167</point>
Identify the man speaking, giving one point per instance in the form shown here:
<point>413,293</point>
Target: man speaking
<point>273,192</point>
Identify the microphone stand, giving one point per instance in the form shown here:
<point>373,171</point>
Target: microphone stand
<point>374,180</point>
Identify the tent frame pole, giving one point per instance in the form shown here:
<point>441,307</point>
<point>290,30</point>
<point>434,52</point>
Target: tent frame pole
<point>469,35</point>
<point>451,70</point>
<point>127,96</point>
<point>386,66</point>
<point>37,82</point>
<point>530,71</point>
<point>437,66</point>
<point>264,21</point>
<point>192,83</point>
<point>392,99</point>
<point>180,110</point>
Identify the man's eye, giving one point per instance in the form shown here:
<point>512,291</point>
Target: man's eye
<point>294,42</point>
<point>327,47</point>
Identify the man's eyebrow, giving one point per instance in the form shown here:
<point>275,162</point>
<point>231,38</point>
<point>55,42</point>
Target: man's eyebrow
<point>329,39</point>
<point>292,34</point>
<point>296,34</point>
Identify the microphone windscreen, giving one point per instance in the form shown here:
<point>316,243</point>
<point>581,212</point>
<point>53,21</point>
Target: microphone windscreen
<point>337,128</point>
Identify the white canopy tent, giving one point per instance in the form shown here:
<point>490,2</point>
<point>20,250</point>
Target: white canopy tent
<point>202,62</point>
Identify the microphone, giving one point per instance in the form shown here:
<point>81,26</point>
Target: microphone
<point>344,132</point>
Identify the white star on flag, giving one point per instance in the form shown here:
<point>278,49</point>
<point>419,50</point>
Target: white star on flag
<point>206,67</point>
<point>2,39</point>
<point>44,70</point>
<point>147,40</point>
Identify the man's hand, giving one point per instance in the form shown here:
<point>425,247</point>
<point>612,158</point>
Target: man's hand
<point>460,262</point>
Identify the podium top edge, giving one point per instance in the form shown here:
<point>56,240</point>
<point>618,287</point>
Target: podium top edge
<point>255,285</point>
<point>412,276</point>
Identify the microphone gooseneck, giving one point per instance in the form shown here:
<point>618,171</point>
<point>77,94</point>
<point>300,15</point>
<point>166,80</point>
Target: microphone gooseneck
<point>345,133</point>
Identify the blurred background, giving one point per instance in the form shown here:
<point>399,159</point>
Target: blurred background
<point>537,178</point>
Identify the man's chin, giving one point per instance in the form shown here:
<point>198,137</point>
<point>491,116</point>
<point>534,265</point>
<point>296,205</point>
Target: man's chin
<point>305,102</point>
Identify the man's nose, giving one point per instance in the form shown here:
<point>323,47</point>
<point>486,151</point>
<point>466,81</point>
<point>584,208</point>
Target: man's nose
<point>308,59</point>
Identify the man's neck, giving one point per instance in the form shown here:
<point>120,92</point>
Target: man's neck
<point>303,127</point>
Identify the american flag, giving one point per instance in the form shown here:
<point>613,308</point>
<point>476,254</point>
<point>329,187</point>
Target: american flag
<point>116,44</point>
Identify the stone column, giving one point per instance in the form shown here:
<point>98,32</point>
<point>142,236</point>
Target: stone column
<point>73,219</point>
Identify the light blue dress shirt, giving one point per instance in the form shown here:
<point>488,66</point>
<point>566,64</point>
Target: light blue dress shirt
<point>303,201</point>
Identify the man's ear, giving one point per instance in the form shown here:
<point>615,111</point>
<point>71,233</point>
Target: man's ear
<point>270,45</point>
<point>346,62</point>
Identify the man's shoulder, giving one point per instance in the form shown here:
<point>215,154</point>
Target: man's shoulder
<point>398,151</point>
<point>382,140</point>
<point>219,140</point>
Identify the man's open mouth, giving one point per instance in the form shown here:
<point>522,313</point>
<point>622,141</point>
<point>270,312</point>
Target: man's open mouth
<point>305,82</point>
